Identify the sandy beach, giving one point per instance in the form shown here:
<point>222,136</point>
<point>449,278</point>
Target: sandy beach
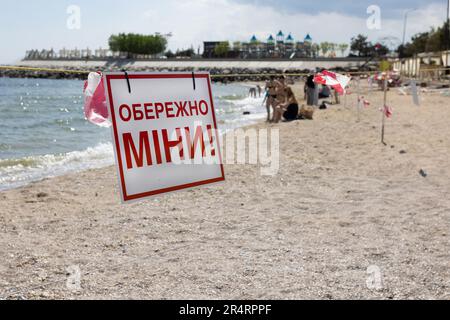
<point>342,211</point>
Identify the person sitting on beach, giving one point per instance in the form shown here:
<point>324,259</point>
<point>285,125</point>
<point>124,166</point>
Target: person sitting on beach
<point>305,93</point>
<point>271,96</point>
<point>325,92</point>
<point>289,108</point>
<point>280,89</point>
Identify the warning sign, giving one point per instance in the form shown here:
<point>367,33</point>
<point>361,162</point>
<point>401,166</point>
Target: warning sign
<point>164,130</point>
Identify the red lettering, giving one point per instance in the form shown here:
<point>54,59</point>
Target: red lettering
<point>211,139</point>
<point>159,108</point>
<point>157,146</point>
<point>193,107</point>
<point>169,144</point>
<point>152,111</point>
<point>148,108</point>
<point>181,106</point>
<point>138,114</point>
<point>169,110</point>
<point>137,156</point>
<point>198,138</point>
<point>144,145</point>
<point>125,107</point>
<point>203,103</point>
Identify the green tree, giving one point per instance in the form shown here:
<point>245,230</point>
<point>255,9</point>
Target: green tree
<point>379,50</point>
<point>333,47</point>
<point>185,53</point>
<point>169,54</point>
<point>132,43</point>
<point>385,65</point>
<point>360,46</point>
<point>315,48</point>
<point>325,47</point>
<point>343,48</point>
<point>363,48</point>
<point>433,40</point>
<point>221,50</point>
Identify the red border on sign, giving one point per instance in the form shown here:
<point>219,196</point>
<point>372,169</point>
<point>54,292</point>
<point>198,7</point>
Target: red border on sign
<point>127,197</point>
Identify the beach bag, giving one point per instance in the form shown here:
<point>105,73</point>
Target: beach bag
<point>307,112</point>
<point>95,109</point>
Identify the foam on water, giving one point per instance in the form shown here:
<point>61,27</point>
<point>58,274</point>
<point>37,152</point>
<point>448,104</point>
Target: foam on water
<point>233,116</point>
<point>18,172</point>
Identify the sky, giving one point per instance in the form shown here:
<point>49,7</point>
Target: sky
<point>43,24</point>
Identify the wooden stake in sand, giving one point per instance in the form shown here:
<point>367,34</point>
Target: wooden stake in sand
<point>383,111</point>
<point>414,92</point>
<point>358,97</point>
<point>345,93</point>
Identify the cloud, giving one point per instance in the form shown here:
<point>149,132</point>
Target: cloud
<point>394,9</point>
<point>194,21</point>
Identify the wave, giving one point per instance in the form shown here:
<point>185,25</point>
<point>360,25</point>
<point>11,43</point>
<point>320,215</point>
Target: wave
<point>18,172</point>
<point>241,112</point>
<point>246,101</point>
<point>230,97</point>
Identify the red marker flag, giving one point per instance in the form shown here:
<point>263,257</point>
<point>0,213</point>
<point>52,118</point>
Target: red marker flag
<point>365,102</point>
<point>95,109</point>
<point>387,111</point>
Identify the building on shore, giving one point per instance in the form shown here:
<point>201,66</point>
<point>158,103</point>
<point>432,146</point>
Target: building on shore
<point>280,46</point>
<point>425,65</point>
<point>209,48</point>
<point>65,54</point>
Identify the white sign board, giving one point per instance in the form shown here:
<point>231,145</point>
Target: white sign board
<point>164,131</point>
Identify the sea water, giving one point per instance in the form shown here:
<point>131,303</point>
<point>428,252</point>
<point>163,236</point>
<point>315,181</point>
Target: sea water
<point>43,131</point>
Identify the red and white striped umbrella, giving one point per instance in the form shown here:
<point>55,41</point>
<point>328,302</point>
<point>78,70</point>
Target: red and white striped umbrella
<point>335,80</point>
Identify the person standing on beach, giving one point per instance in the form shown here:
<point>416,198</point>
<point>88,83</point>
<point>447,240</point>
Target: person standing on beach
<point>336,96</point>
<point>258,87</point>
<point>271,96</point>
<point>310,89</point>
<point>304,89</point>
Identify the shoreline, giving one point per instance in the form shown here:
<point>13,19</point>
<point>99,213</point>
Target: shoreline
<point>342,207</point>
